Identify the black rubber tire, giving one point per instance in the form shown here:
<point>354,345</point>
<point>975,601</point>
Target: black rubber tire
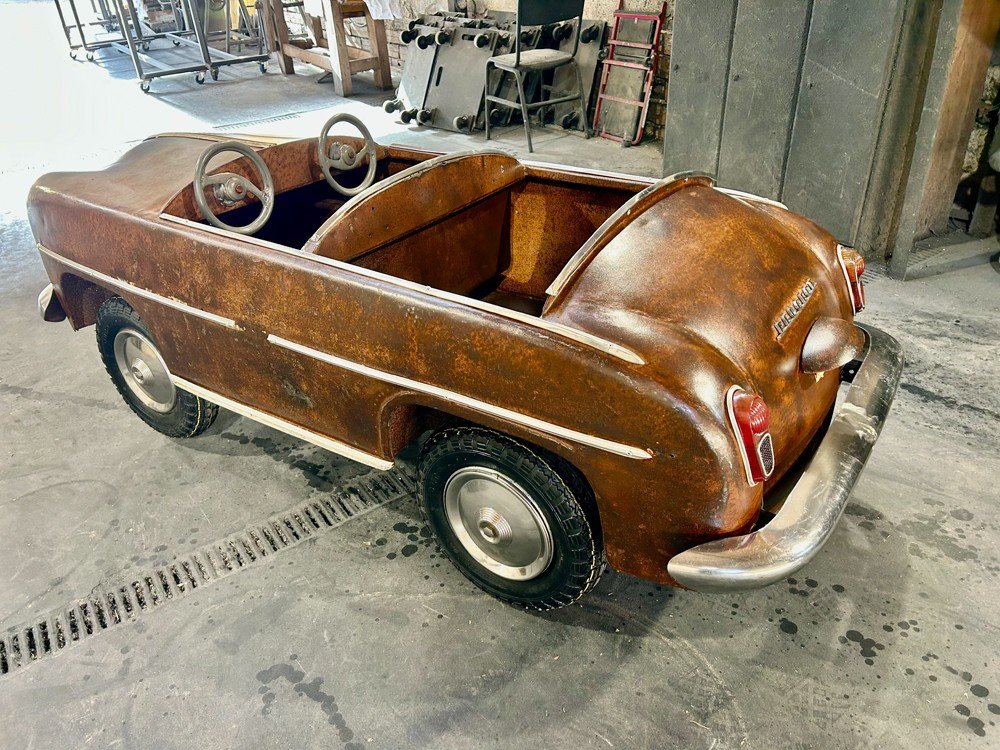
<point>190,415</point>
<point>559,492</point>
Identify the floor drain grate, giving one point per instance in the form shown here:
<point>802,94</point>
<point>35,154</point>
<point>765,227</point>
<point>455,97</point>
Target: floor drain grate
<point>111,604</point>
<point>268,120</point>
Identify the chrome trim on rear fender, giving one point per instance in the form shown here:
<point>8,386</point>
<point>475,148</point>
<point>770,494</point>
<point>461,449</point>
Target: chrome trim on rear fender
<point>812,509</point>
<point>606,232</point>
<point>620,449</point>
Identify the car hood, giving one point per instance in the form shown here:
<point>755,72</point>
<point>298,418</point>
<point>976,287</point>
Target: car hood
<point>146,177</point>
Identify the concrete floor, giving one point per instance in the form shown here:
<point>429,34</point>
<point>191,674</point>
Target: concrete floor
<point>363,636</point>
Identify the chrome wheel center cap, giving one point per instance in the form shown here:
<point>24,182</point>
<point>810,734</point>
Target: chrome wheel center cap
<point>498,523</point>
<point>494,527</point>
<point>144,371</point>
<point>141,371</point>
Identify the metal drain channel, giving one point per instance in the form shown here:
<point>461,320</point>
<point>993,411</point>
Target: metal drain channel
<point>111,604</point>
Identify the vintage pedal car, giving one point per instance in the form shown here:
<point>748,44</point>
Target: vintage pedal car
<point>609,367</point>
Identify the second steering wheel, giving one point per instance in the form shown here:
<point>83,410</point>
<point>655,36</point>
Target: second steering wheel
<point>342,156</point>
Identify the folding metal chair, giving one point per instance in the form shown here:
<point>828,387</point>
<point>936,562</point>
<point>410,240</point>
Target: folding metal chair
<point>521,63</point>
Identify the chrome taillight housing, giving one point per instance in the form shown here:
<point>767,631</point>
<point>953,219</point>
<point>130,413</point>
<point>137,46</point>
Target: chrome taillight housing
<point>751,419</point>
<point>852,263</point>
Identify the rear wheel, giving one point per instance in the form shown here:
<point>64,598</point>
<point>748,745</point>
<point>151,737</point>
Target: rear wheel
<point>517,524</point>
<point>141,376</point>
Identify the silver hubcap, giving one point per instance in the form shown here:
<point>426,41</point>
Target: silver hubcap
<point>144,370</point>
<point>498,523</point>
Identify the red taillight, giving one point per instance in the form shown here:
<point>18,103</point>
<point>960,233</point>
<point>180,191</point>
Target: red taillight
<point>853,265</point>
<point>750,419</point>
<point>855,269</point>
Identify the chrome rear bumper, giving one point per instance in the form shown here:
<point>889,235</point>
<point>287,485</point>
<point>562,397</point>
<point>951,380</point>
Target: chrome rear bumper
<point>815,504</point>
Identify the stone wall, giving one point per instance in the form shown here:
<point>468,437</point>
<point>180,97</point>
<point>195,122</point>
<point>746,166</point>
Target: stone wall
<point>987,104</point>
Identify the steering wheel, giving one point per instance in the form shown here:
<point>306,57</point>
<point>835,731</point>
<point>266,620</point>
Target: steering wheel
<point>343,156</point>
<point>230,189</point>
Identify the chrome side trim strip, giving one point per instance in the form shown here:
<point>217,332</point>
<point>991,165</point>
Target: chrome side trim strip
<point>289,428</point>
<point>574,334</point>
<point>741,195</point>
<point>139,291</point>
<point>524,420</point>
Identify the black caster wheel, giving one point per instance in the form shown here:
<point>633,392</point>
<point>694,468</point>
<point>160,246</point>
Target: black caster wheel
<point>215,74</point>
<point>144,86</point>
<point>391,105</point>
<point>442,37</point>
<point>482,40</point>
<point>408,116</point>
<point>72,54</point>
<point>176,43</point>
<point>408,36</point>
<point>464,123</point>
<point>145,46</point>
<point>589,34</point>
<point>262,67</point>
<point>425,40</point>
<point>199,77</point>
<point>570,121</point>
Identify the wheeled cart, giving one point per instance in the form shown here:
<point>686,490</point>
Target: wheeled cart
<point>117,24</point>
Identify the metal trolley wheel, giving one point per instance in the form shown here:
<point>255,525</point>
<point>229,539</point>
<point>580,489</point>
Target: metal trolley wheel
<point>498,523</point>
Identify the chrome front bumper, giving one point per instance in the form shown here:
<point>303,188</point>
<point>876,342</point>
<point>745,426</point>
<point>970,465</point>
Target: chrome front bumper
<point>49,306</point>
<point>815,504</point>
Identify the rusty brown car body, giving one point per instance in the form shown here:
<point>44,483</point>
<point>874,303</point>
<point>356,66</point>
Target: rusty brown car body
<point>598,318</point>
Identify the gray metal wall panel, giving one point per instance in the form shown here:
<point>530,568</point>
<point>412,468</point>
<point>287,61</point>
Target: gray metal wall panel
<point>702,36</point>
<point>750,103</point>
<point>839,104</point>
<point>768,42</point>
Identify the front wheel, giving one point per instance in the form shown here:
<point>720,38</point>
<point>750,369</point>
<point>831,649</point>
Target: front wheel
<point>141,376</point>
<point>519,525</point>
